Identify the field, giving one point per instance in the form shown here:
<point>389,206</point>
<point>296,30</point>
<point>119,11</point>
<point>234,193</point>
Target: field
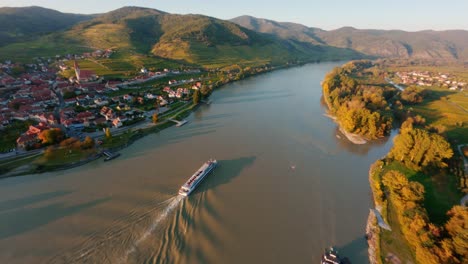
<point>448,109</point>
<point>441,190</point>
<point>48,46</point>
<point>124,65</point>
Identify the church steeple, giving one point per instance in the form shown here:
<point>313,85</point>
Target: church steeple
<point>77,71</point>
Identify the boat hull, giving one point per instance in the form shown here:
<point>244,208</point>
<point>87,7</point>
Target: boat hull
<point>190,187</point>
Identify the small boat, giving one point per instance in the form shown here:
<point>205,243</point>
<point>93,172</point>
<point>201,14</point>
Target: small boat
<point>330,256</point>
<point>109,155</point>
<point>197,177</point>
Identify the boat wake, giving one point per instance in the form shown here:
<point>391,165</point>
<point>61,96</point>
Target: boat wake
<point>173,202</point>
<point>107,246</point>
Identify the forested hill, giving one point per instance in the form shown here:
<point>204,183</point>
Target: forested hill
<point>25,23</point>
<point>195,39</point>
<point>360,107</point>
<point>428,45</point>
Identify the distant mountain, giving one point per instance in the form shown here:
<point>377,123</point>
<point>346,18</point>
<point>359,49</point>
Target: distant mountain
<point>194,39</point>
<point>26,23</point>
<point>284,30</point>
<point>445,45</point>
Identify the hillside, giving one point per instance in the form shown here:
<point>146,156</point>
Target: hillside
<point>26,23</point>
<point>194,39</point>
<point>428,45</point>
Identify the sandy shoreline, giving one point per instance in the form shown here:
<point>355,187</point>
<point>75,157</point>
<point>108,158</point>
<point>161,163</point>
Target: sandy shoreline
<point>354,138</point>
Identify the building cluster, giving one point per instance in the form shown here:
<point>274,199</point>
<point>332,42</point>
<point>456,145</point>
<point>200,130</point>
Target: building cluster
<point>426,78</point>
<point>74,104</point>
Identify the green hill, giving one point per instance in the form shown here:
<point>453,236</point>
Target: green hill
<point>194,39</point>
<point>26,23</point>
<point>429,45</point>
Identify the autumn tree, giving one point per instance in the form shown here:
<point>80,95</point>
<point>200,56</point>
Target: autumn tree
<point>457,227</point>
<point>51,136</point>
<point>417,148</point>
<point>196,97</point>
<point>412,95</point>
<point>108,133</point>
<point>155,118</point>
<point>465,151</point>
<point>88,143</point>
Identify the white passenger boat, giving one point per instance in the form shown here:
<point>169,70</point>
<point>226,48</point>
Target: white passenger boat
<point>198,177</point>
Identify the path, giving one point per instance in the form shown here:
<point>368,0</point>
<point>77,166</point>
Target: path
<point>380,220</point>
<point>465,160</point>
<point>464,201</point>
<point>401,88</point>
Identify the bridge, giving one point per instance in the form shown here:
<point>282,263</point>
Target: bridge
<point>178,123</point>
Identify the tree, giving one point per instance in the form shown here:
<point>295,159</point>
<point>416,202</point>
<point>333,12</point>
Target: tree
<point>68,94</point>
<point>196,97</point>
<point>51,136</point>
<point>457,227</point>
<point>156,105</point>
<point>88,143</point>
<point>465,151</point>
<point>155,118</point>
<point>108,133</point>
<point>417,148</point>
<point>412,95</point>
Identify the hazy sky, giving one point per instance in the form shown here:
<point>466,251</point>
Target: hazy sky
<point>408,15</point>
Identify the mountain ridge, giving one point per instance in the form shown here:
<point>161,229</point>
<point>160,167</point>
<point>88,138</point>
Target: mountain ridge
<point>208,41</point>
<point>25,23</point>
<point>195,39</point>
<point>426,44</point>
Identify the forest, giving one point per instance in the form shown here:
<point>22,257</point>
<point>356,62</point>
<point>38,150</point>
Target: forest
<point>360,107</point>
<point>416,183</point>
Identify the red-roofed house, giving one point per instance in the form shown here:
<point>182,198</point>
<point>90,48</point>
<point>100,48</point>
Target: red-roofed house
<point>30,137</point>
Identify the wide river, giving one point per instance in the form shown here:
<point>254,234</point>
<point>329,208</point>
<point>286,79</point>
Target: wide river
<point>287,186</point>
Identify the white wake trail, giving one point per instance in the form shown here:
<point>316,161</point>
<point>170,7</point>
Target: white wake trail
<point>173,202</point>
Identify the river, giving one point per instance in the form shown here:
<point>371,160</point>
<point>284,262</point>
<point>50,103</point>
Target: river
<point>287,186</point>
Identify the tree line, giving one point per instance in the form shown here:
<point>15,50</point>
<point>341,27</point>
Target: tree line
<point>430,243</point>
<point>359,107</point>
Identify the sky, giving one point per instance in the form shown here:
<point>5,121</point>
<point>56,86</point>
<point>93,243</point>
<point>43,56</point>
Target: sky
<point>409,15</point>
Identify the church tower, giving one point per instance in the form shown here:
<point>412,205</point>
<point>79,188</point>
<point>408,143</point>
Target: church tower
<point>77,71</point>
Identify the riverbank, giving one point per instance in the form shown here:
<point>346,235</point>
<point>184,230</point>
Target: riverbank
<point>354,138</point>
<point>129,136</point>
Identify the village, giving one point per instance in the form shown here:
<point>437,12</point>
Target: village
<point>84,104</point>
<point>426,78</point>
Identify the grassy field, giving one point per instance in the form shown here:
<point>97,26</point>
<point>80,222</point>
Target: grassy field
<point>394,242</point>
<point>47,46</point>
<point>448,109</point>
<point>124,65</point>
<point>63,156</point>
<point>441,190</point>
<point>11,164</point>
